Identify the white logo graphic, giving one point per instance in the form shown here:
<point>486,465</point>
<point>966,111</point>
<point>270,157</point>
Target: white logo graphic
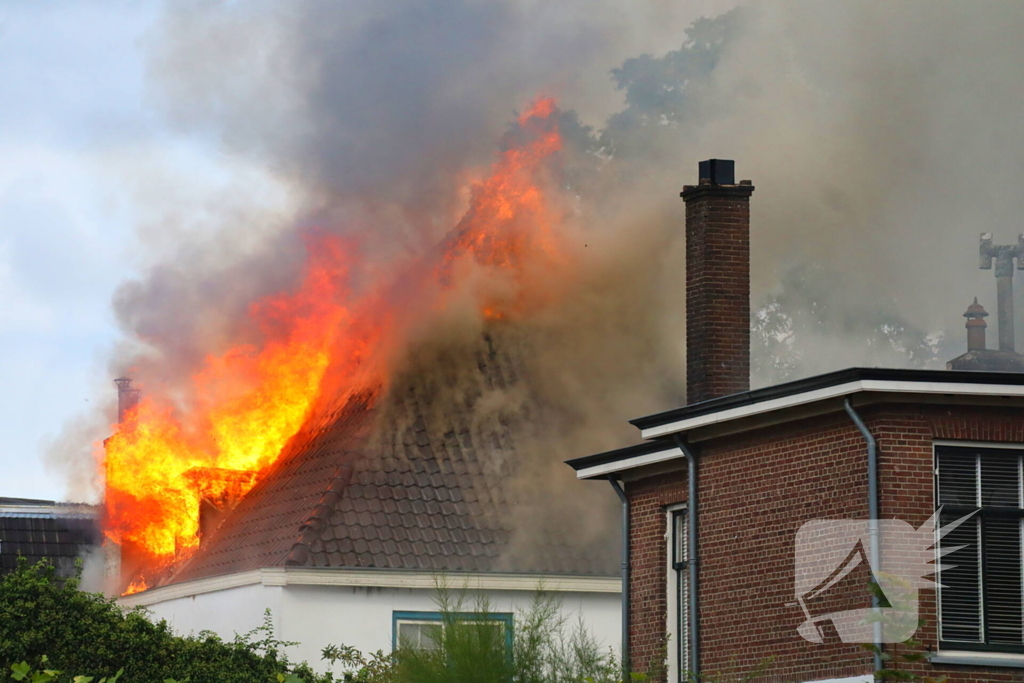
<point>828,550</point>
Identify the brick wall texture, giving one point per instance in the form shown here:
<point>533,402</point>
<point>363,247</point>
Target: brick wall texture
<point>717,290</point>
<point>756,490</point>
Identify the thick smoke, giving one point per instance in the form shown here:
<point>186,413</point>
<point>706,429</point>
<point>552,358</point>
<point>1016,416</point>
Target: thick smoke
<point>882,138</point>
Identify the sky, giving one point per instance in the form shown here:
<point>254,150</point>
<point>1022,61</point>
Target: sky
<point>154,159</point>
<point>75,122</point>
<point>96,185</point>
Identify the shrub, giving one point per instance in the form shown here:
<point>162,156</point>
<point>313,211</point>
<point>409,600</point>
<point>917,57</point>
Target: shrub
<point>543,648</point>
<point>90,635</point>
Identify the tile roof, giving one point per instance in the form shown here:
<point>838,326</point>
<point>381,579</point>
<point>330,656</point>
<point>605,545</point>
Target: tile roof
<point>43,530</point>
<point>419,480</point>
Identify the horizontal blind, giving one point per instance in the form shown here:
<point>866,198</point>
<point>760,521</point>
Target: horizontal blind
<point>982,595</point>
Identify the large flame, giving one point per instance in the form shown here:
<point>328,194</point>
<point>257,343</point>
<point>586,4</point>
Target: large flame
<point>166,459</point>
<point>248,402</point>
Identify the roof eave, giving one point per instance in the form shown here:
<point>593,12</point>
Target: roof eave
<point>906,384</point>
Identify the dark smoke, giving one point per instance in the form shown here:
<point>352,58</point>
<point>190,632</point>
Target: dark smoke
<point>882,138</point>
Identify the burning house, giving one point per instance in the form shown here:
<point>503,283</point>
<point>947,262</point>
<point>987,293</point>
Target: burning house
<point>723,492</point>
<point>336,473</point>
<point>346,536</point>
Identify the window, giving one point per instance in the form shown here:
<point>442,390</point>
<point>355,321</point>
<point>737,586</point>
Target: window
<point>678,627</point>
<point>421,629</point>
<point>980,600</point>
<point>419,635</point>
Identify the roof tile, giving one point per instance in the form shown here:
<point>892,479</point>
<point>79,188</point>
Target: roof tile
<point>415,482</point>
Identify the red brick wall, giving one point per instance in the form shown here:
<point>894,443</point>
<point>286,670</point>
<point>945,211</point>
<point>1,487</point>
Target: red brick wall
<point>756,490</point>
<point>717,290</point>
<point>907,489</point>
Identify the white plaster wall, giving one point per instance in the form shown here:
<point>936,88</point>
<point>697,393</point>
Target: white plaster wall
<point>315,616</point>
<point>225,612</point>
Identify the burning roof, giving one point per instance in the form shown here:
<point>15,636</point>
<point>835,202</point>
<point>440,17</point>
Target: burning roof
<point>420,480</point>
<point>287,418</point>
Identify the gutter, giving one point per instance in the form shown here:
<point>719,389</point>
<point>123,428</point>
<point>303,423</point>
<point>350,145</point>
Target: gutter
<point>873,513</point>
<point>693,560</point>
<point>626,664</point>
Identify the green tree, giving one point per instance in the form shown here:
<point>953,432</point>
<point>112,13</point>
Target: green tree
<point>47,624</point>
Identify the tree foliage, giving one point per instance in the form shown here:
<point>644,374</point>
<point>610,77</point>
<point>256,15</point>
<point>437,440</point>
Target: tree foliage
<point>817,321</point>
<point>48,624</point>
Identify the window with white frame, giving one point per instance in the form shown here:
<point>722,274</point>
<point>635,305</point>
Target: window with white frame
<point>417,634</point>
<point>980,597</point>
<point>422,630</point>
<point>678,627</point>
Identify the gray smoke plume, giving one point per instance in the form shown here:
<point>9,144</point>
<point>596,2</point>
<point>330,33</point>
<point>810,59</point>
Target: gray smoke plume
<point>882,138</point>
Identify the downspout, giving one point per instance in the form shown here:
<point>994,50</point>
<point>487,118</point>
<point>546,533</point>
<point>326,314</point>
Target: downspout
<point>874,548</point>
<point>626,667</point>
<point>693,559</point>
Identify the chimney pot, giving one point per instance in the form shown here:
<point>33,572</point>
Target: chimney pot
<point>717,171</point>
<point>976,325</point>
<point>127,397</point>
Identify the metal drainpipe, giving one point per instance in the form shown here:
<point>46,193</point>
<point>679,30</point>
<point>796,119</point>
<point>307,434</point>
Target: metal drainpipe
<point>626,667</point>
<point>874,549</point>
<point>694,557</point>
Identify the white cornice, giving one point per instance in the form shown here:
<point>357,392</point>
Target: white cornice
<point>865,385</point>
<point>880,388</point>
<point>82,511</point>
<point>638,461</point>
<point>375,578</point>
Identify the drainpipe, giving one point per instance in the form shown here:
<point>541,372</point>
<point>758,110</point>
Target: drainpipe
<point>693,560</point>
<point>626,667</point>
<point>874,550</point>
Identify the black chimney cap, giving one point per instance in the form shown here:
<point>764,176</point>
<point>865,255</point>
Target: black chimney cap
<point>718,171</point>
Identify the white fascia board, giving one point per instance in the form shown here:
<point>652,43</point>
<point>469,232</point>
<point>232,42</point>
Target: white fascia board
<point>629,463</point>
<point>74,511</point>
<point>370,578</point>
<point>879,386</point>
<point>189,588</point>
<point>752,409</point>
<point>302,576</point>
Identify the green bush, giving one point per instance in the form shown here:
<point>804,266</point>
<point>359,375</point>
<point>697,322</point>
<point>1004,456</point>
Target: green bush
<point>48,624</point>
<point>543,648</point>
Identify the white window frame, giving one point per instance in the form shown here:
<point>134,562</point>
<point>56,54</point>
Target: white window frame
<point>399,623</point>
<point>678,642</point>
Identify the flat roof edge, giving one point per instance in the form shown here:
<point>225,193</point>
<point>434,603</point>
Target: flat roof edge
<point>646,448</point>
<point>867,381</point>
<point>832,379</point>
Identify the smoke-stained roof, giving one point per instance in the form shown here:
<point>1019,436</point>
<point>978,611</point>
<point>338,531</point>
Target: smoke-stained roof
<point>424,481</point>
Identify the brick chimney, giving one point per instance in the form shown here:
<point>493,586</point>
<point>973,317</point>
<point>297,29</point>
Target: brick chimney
<point>717,282</point>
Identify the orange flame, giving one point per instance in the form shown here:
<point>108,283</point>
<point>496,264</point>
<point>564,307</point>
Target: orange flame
<point>164,460</point>
<point>511,224</point>
<point>249,402</point>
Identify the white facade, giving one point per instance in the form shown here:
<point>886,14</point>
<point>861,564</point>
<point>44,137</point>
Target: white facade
<point>319,607</point>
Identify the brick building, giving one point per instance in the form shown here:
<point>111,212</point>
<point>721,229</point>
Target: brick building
<point>720,489</point>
